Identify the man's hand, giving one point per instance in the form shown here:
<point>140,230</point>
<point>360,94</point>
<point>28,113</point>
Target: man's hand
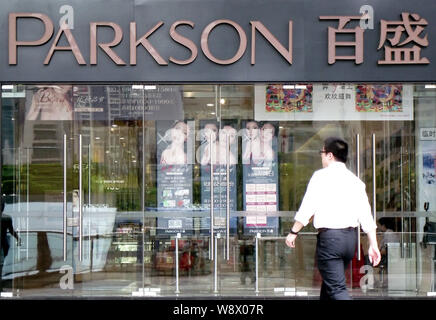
<point>374,255</point>
<point>373,252</point>
<point>290,240</point>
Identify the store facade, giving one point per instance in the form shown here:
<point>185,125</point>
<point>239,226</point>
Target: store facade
<point>116,116</point>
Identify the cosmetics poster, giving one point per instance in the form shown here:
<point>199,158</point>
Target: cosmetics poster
<point>260,176</point>
<point>174,176</point>
<point>219,146</point>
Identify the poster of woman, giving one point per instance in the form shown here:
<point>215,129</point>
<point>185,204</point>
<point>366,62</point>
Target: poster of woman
<point>219,141</point>
<point>174,175</point>
<point>175,153</point>
<point>51,103</point>
<point>260,176</point>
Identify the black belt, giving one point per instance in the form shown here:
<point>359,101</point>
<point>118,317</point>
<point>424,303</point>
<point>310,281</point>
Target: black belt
<point>325,229</point>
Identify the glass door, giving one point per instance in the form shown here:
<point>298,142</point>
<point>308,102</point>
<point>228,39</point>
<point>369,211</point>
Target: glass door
<point>389,172</point>
<point>249,168</point>
<point>109,187</point>
<point>181,135</point>
<point>37,180</point>
<point>73,190</point>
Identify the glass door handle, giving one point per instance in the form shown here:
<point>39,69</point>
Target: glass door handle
<point>374,181</point>
<point>358,175</point>
<point>80,200</point>
<point>228,199</point>
<point>211,251</point>
<point>65,200</point>
<point>402,203</point>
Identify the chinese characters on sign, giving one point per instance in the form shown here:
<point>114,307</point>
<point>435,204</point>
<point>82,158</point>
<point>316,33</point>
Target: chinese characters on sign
<point>400,54</point>
<point>337,94</point>
<point>358,44</point>
<point>428,133</point>
<point>410,29</point>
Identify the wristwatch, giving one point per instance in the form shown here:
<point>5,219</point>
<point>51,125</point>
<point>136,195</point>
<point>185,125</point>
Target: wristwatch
<point>290,231</point>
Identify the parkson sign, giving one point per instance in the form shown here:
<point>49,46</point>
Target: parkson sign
<point>179,41</point>
<point>135,41</point>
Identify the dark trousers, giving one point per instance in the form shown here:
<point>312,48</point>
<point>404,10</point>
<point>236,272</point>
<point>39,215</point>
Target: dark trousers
<point>335,249</point>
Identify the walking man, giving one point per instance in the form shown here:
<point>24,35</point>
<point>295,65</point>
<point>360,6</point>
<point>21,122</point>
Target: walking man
<point>337,200</point>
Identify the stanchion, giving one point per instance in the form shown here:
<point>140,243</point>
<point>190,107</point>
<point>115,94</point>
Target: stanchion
<point>257,263</point>
<point>215,289</point>
<point>177,263</point>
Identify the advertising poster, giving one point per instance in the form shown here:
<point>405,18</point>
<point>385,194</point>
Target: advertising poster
<point>280,100</point>
<point>260,176</point>
<point>49,102</point>
<point>334,102</point>
<point>174,176</point>
<point>91,102</point>
<point>126,102</point>
<point>428,177</point>
<point>379,98</point>
<point>214,146</point>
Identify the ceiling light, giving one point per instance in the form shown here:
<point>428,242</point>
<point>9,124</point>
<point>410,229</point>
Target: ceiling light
<point>300,86</point>
<point>149,87</point>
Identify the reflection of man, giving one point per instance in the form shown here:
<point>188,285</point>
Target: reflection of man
<point>386,225</point>
<point>338,201</point>
<point>175,152</point>
<point>6,226</point>
<point>51,103</point>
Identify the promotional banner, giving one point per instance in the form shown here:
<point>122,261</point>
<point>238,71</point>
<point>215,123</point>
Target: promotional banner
<point>260,176</point>
<point>66,102</point>
<point>49,102</point>
<point>334,102</point>
<point>128,102</point>
<point>174,175</point>
<point>218,145</point>
<point>428,178</point>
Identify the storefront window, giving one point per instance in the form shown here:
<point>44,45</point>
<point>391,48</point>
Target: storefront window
<point>109,186</point>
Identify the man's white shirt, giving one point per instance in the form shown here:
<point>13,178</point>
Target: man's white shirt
<point>337,199</point>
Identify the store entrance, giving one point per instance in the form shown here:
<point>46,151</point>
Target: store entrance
<point>193,224</point>
<point>109,190</point>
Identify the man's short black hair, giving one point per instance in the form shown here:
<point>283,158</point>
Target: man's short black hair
<point>389,223</point>
<point>338,147</point>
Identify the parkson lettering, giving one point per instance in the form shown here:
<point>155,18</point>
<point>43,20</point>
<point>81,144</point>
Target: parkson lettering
<point>135,41</point>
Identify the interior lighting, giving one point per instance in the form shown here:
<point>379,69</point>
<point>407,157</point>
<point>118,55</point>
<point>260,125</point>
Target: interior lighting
<point>149,87</point>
